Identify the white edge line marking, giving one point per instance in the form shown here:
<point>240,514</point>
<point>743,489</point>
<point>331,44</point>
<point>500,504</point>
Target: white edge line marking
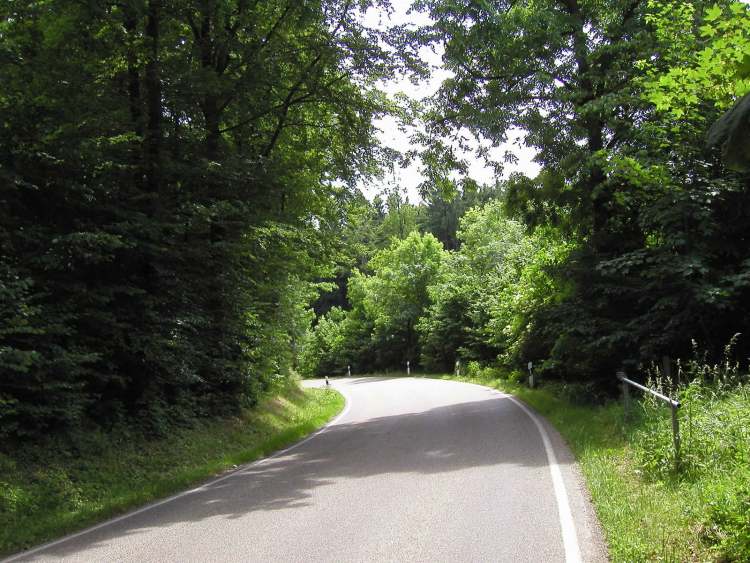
<point>205,486</point>
<point>567,525</point>
<point>570,539</point>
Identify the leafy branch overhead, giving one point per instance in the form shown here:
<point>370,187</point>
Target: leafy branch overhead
<point>171,175</point>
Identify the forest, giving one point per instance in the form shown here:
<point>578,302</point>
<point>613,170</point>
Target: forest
<point>182,218</point>
<point>629,246</point>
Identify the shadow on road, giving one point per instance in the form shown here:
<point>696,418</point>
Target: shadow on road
<point>426,442</point>
<point>359,380</point>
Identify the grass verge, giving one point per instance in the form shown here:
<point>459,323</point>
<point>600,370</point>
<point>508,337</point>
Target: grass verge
<point>47,493</point>
<point>699,514</point>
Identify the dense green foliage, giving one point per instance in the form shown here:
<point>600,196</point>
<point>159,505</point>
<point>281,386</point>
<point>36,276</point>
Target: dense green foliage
<point>712,64</point>
<point>658,225</point>
<point>631,240</point>
<point>171,174</point>
<point>380,328</point>
<point>481,302</point>
<point>433,307</point>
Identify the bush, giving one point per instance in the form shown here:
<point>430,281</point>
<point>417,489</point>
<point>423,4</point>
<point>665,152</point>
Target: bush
<point>474,370</point>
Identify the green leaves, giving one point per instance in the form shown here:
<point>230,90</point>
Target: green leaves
<point>396,294</point>
<point>713,13</point>
<point>705,60</point>
<point>170,182</point>
<point>379,331</point>
<point>481,301</point>
<point>617,98</point>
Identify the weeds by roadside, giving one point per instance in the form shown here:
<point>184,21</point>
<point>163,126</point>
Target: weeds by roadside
<point>714,467</point>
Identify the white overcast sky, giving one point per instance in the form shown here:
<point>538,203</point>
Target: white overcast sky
<point>392,136</point>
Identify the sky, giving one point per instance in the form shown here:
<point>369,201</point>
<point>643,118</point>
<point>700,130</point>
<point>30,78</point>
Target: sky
<point>408,178</point>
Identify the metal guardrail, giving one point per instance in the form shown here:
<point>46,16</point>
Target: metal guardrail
<point>673,404</point>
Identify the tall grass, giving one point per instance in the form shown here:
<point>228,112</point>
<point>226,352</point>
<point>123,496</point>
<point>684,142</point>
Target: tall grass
<point>48,491</point>
<point>714,468</point>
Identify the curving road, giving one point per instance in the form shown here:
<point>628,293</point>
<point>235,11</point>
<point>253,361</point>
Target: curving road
<point>413,470</point>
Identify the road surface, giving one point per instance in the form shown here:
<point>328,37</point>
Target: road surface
<point>413,470</point>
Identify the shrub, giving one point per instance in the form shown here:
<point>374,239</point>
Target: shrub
<point>473,369</point>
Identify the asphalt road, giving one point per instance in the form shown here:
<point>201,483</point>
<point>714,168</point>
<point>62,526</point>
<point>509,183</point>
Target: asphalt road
<point>413,470</point>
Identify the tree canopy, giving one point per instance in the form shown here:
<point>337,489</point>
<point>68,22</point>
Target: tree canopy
<point>171,173</point>
<point>182,218</point>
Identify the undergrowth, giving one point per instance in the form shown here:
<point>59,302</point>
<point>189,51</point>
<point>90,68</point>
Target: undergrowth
<point>51,490</point>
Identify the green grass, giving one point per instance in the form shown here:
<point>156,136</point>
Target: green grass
<point>47,493</point>
<point>648,511</point>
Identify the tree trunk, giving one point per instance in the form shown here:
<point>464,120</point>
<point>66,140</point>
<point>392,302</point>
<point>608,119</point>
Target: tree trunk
<point>593,125</point>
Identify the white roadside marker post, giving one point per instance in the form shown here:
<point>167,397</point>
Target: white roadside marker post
<point>348,371</point>
<point>531,375</point>
<point>328,383</point>
<point>408,369</point>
